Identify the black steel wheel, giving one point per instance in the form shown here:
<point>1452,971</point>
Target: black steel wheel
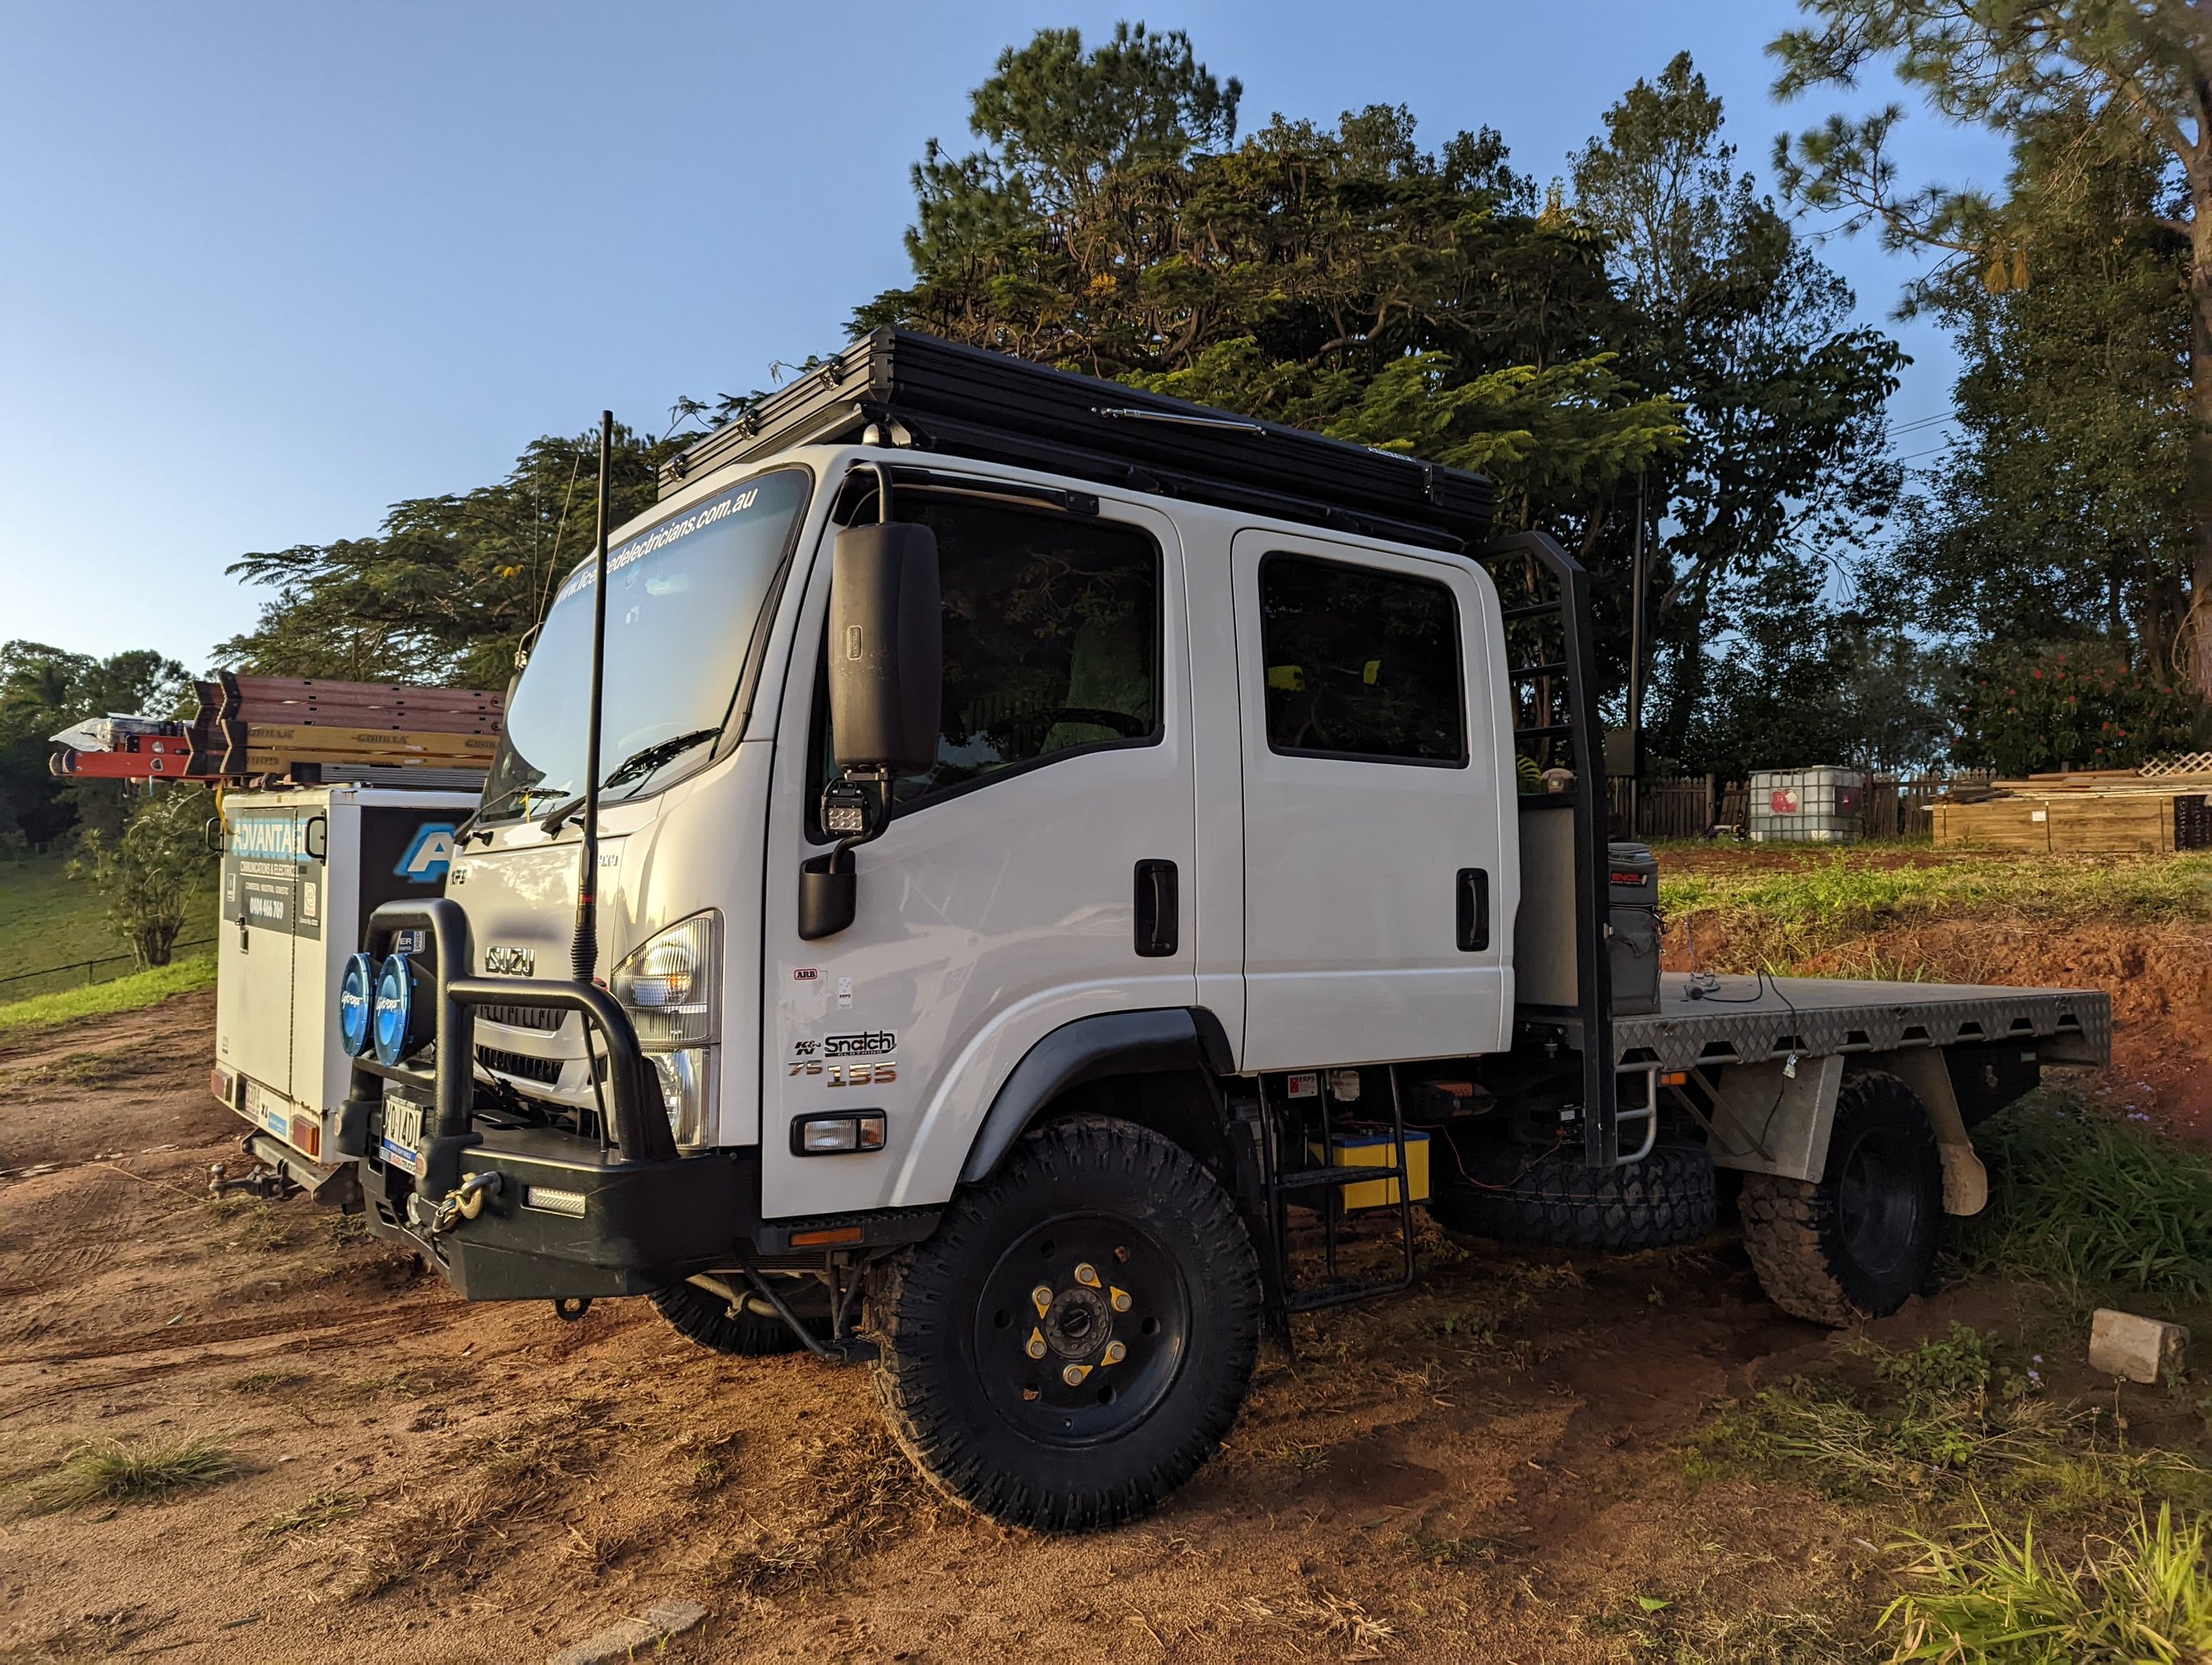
<point>1857,1243</point>
<point>703,1317</point>
<point>1077,1336</point>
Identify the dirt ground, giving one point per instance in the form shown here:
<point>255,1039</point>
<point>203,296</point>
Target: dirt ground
<point>1490,1469</point>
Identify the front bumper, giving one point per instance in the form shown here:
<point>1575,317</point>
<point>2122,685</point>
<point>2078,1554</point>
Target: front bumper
<point>570,1219</point>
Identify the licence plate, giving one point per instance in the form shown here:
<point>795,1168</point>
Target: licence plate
<point>402,1138</point>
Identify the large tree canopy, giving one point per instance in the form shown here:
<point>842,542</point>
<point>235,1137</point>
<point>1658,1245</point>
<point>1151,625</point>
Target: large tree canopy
<point>2130,82</point>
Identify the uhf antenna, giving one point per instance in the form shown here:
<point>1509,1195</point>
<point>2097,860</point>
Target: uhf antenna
<point>584,952</point>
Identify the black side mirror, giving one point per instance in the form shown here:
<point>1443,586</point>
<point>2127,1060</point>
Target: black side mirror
<point>885,681</point>
<point>886,648</point>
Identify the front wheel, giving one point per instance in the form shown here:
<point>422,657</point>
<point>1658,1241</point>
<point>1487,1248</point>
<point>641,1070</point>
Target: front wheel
<point>1077,1336</point>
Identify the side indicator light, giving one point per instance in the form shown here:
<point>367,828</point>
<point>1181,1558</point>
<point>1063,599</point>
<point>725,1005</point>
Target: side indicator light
<point>551,1199</point>
<point>827,1235</point>
<point>307,1137</point>
<point>1675,1078</point>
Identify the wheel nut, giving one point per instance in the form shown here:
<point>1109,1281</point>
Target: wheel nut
<point>1036,1344</point>
<point>1087,1275</point>
<point>1116,1353</point>
<point>1040,1297</point>
<point>1074,1374</point>
<point>1119,1298</point>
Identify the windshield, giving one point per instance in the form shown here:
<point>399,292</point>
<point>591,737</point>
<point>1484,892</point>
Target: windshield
<point>682,601</point>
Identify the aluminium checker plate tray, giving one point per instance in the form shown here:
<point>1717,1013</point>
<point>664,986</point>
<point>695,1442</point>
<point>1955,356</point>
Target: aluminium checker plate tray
<point>1746,1019</point>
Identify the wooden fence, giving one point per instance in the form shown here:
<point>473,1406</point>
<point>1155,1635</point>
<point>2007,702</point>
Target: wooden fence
<point>1690,806</point>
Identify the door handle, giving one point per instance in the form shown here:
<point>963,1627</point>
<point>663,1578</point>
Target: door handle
<point>1472,889</point>
<point>1157,935</point>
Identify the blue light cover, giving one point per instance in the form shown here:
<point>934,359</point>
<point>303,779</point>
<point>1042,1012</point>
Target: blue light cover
<point>356,990</point>
<point>394,1010</point>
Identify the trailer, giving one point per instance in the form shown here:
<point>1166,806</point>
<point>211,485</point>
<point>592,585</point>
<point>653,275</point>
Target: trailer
<point>302,869</point>
<point>1031,884</point>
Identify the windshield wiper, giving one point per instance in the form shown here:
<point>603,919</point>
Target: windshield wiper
<point>636,767</point>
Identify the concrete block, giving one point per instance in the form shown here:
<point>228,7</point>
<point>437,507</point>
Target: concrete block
<point>634,1638</point>
<point>2141,1349</point>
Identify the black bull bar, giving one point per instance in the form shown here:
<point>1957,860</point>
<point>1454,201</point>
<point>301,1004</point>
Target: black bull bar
<point>631,1220</point>
<point>634,1112</point>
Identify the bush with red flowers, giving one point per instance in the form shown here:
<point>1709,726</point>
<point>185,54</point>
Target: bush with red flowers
<point>2082,706</point>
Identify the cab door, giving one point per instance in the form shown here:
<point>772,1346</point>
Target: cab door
<point>1041,872</point>
<point>1380,872</point>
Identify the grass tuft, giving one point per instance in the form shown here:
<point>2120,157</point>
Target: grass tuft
<point>1934,1422</point>
<point>2143,1598</point>
<point>2086,1201</point>
<point>113,1472</point>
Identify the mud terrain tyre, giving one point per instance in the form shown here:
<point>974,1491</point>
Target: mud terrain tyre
<point>1521,1194</point>
<point>1857,1243</point>
<point>703,1316</point>
<point>1077,1336</point>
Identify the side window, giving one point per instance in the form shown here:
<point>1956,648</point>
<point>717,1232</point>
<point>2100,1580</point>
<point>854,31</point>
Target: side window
<point>1360,663</point>
<point>1052,641</point>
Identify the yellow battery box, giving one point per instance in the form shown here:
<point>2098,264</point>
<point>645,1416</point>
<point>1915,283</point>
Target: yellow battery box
<point>1376,1150</point>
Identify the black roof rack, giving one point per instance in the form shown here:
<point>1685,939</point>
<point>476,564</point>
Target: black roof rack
<point>935,395</point>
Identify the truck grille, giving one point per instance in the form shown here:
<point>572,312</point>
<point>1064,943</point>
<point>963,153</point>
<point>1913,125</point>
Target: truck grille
<point>544,1019</point>
<point>544,1072</point>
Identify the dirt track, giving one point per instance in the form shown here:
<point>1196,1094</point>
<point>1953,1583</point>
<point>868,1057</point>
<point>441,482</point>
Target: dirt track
<point>1487,1470</point>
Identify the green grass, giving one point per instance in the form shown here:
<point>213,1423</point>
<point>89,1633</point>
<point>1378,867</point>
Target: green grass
<point>1926,1425</point>
<point>1786,915</point>
<point>49,919</point>
<point>2092,1204</point>
<point>123,995</point>
<point>113,1472</point>
<point>1982,1593</point>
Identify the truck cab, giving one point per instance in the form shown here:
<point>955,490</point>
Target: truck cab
<point>1043,832</point>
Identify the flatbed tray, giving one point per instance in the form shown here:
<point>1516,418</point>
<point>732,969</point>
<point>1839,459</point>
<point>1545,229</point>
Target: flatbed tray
<point>1743,1019</point>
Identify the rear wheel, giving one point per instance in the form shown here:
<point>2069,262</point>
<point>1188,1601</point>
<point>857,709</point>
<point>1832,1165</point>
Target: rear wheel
<point>703,1317</point>
<point>1077,1336</point>
<point>1856,1243</point>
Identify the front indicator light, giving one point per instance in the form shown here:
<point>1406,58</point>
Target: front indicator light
<point>843,1133</point>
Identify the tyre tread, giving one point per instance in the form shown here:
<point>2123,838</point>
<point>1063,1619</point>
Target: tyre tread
<point>915,1295</point>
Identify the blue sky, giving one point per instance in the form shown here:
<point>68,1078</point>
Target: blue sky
<point>266,268</point>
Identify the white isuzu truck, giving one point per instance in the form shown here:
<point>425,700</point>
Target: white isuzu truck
<point>1069,873</point>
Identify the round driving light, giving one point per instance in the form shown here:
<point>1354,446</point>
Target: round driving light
<point>357,994</point>
<point>396,1014</point>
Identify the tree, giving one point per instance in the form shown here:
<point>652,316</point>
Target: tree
<point>2137,72</point>
<point>1784,468</point>
<point>1341,278</point>
<point>450,587</point>
<point>147,873</point>
<point>2061,511</point>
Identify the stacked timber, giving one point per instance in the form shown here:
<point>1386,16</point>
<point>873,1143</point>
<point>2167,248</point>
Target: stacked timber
<point>275,728</point>
<point>2083,813</point>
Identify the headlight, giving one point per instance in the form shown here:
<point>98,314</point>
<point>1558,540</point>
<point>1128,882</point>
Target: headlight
<point>671,986</point>
<point>356,990</point>
<point>398,1017</point>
